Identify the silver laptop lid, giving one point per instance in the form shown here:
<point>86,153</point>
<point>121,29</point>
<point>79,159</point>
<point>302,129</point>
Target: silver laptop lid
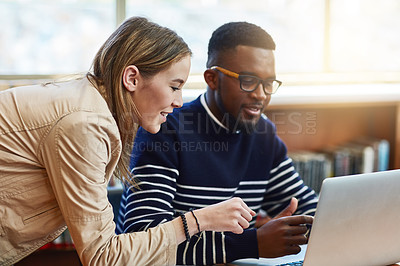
<point>357,221</point>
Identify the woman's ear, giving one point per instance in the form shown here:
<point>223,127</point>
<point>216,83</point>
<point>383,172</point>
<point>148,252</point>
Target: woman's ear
<point>211,78</point>
<point>130,78</point>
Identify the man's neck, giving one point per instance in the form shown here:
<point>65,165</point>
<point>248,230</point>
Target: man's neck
<point>212,104</point>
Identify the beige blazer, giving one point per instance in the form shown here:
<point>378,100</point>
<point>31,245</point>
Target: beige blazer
<point>59,145</point>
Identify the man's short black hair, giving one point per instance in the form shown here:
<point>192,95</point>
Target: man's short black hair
<point>232,34</point>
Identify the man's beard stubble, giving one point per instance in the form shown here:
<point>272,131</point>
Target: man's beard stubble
<point>233,124</point>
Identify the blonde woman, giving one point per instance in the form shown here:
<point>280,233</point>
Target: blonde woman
<point>60,144</point>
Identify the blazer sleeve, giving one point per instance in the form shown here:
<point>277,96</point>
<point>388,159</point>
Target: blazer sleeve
<point>80,154</point>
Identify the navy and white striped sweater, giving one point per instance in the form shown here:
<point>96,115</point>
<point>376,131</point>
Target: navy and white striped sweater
<point>194,162</point>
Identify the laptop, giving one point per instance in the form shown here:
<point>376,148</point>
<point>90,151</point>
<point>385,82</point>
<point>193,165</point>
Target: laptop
<point>357,222</point>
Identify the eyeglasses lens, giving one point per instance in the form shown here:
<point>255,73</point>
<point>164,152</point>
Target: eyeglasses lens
<point>250,83</point>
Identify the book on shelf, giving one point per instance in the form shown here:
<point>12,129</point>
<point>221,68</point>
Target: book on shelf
<point>361,155</point>
<point>381,149</point>
<point>313,167</point>
<point>354,158</point>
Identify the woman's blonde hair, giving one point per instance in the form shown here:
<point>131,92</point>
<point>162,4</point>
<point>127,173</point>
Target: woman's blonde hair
<point>152,49</point>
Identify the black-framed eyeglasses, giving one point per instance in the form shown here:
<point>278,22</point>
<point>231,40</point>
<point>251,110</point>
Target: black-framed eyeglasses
<point>250,83</point>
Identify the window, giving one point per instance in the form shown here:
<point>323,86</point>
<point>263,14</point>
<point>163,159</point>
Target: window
<point>288,22</point>
<point>43,37</point>
<point>313,37</point>
<point>364,35</point>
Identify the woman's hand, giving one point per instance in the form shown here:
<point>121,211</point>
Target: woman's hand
<point>231,215</point>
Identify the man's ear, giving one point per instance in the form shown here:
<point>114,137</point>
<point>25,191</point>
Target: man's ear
<point>130,78</point>
<point>211,78</point>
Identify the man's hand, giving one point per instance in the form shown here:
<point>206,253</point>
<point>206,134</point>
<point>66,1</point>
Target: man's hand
<point>283,234</point>
<point>261,220</point>
<point>288,211</point>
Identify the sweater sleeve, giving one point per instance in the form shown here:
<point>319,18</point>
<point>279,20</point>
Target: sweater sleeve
<point>155,164</point>
<point>285,183</point>
<point>79,154</point>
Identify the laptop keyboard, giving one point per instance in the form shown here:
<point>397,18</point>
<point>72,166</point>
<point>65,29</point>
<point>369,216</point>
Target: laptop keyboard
<point>295,263</point>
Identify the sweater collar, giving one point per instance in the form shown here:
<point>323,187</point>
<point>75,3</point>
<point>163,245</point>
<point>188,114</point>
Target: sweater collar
<point>205,106</point>
<point>204,103</point>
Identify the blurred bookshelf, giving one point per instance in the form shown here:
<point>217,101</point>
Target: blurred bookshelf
<point>314,118</point>
<point>335,130</point>
<point>362,155</point>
